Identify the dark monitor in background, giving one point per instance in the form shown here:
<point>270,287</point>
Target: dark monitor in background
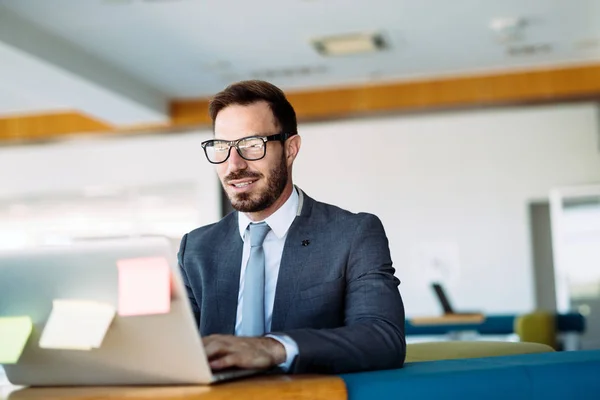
<point>445,302</point>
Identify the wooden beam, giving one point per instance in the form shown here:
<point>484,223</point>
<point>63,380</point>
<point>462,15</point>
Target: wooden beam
<point>190,112</point>
<point>28,128</point>
<point>558,84</point>
<point>532,86</point>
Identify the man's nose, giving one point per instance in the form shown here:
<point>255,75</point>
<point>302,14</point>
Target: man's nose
<point>236,162</point>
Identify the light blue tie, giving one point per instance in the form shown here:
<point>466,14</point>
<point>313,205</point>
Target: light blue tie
<point>253,307</point>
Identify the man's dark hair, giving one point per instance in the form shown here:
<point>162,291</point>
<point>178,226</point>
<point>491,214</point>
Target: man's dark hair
<point>249,92</point>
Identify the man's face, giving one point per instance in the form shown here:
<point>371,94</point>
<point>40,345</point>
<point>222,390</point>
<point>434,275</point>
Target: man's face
<point>251,186</point>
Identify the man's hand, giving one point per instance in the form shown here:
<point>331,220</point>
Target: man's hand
<point>224,351</point>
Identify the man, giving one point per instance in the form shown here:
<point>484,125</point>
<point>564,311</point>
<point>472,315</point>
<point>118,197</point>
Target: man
<point>286,281</point>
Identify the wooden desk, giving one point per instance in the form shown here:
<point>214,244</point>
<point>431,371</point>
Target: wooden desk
<point>265,387</point>
<point>449,319</point>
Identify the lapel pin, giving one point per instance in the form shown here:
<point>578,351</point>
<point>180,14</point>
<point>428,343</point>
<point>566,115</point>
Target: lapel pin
<point>305,242</point>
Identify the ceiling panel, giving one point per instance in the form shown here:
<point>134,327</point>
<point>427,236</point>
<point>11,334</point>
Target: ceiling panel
<point>191,48</point>
<point>12,103</point>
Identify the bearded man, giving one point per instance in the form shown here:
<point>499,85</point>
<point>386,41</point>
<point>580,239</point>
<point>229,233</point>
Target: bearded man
<point>285,281</point>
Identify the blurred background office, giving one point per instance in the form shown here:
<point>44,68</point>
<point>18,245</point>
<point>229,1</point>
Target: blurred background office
<point>470,127</point>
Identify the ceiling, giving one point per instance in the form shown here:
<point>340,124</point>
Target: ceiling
<point>19,103</point>
<point>122,60</point>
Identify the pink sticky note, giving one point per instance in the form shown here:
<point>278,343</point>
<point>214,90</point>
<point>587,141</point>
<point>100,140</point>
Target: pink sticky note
<point>144,286</point>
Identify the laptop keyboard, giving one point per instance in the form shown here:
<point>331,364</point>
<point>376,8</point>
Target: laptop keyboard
<point>232,373</point>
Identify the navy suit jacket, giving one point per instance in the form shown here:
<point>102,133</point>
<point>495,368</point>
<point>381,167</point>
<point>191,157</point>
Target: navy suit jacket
<point>336,294</point>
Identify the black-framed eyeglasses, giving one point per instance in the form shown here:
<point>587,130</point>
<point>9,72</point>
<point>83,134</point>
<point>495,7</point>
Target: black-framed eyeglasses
<point>250,148</point>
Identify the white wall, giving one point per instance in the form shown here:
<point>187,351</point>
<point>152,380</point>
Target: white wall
<point>463,178</point>
<point>131,161</point>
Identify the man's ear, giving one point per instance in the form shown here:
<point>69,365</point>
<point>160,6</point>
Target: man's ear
<point>292,147</point>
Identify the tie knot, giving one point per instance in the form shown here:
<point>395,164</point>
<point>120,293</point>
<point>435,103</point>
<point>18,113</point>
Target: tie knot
<point>258,232</point>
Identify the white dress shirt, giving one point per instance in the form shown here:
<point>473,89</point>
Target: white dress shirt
<point>279,222</point>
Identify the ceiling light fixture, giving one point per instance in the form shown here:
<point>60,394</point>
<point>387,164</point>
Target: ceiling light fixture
<point>353,43</point>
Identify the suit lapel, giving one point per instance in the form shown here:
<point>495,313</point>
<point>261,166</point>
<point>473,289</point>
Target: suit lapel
<point>295,256</point>
<point>228,278</point>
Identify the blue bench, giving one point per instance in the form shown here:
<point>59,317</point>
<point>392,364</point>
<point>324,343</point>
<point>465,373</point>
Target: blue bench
<point>496,325</point>
<point>557,375</point>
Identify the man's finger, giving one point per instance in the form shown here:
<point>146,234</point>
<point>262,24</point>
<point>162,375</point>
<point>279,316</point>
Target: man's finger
<point>242,359</point>
<point>208,339</point>
<point>230,360</point>
<point>214,348</point>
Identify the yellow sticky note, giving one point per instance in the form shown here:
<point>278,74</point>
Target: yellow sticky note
<point>14,332</point>
<point>144,286</point>
<point>77,325</point>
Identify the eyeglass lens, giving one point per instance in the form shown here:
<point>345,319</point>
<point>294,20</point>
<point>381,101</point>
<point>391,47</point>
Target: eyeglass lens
<point>250,149</point>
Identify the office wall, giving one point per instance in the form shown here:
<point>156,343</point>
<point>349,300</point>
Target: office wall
<point>460,182</point>
<point>150,160</point>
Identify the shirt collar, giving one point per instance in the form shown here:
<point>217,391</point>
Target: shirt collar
<point>279,222</point>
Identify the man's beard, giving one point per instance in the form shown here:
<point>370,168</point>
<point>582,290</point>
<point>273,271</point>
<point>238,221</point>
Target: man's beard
<point>255,202</point>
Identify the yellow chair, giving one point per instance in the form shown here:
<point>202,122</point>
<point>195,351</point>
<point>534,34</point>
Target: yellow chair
<point>537,327</point>
<point>449,350</point>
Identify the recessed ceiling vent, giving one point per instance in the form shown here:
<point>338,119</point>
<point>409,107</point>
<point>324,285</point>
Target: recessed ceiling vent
<point>528,50</point>
<point>289,72</point>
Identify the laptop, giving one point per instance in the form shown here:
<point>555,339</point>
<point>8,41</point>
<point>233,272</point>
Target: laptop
<point>445,303</point>
<point>137,350</point>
